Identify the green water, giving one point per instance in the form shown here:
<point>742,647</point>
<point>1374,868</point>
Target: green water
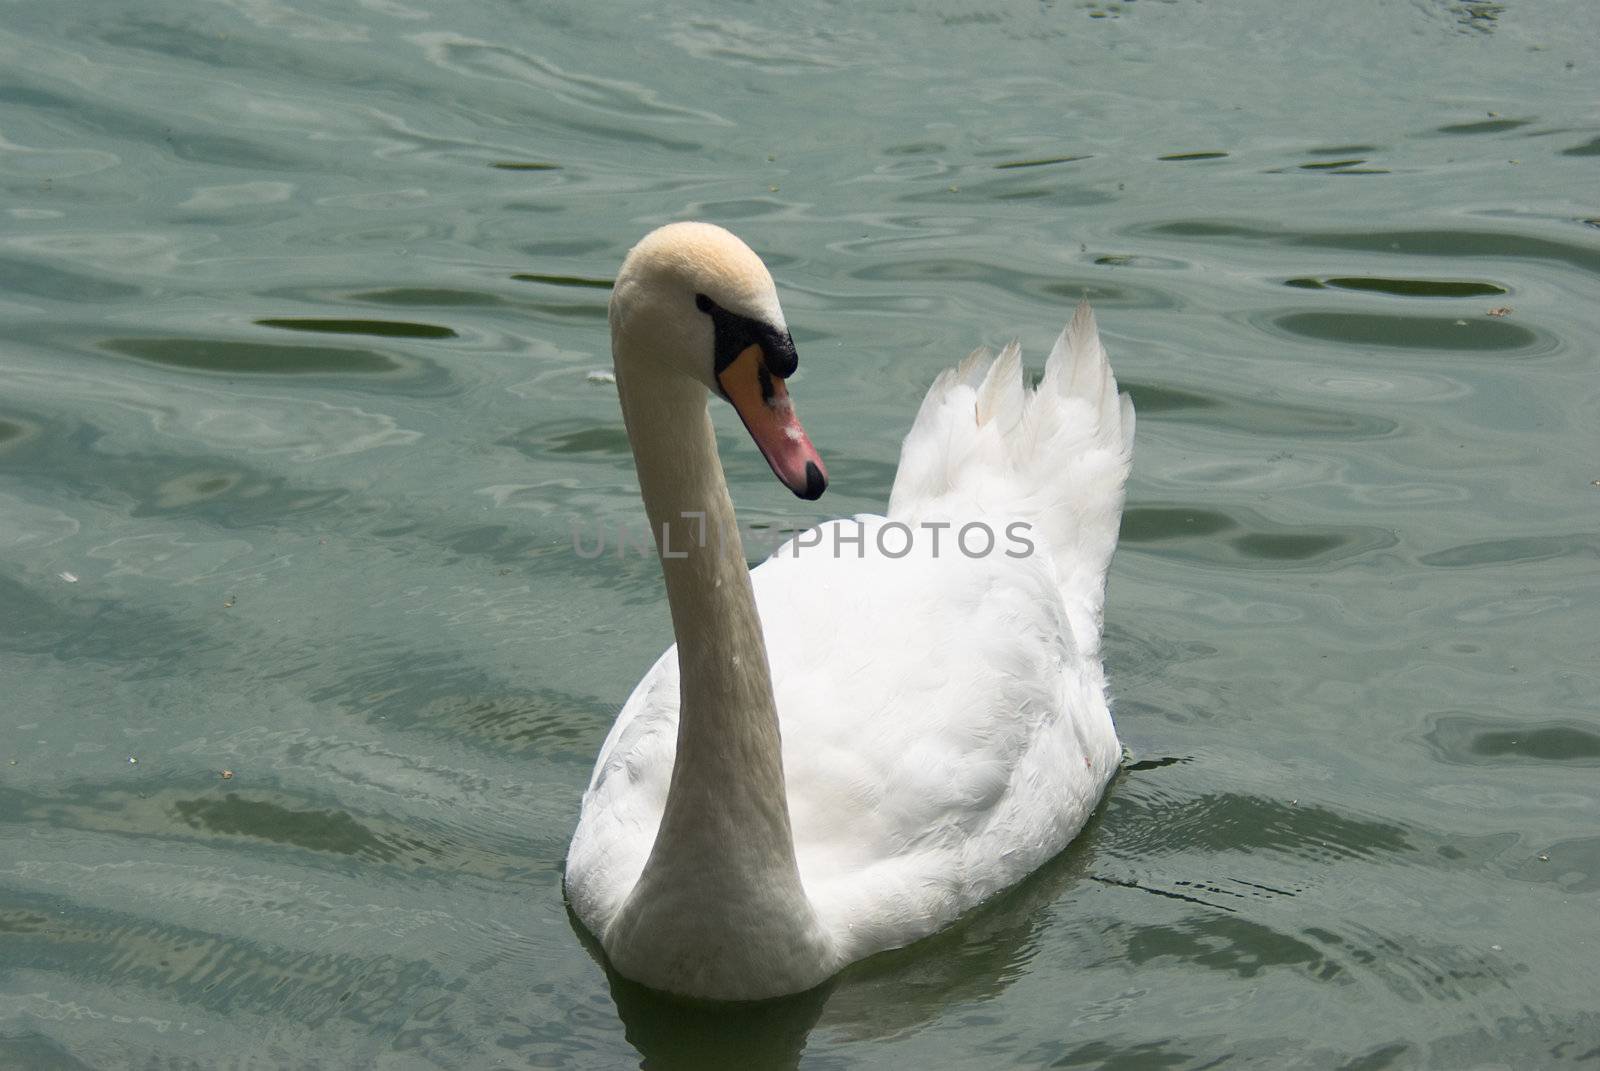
<point>299,302</point>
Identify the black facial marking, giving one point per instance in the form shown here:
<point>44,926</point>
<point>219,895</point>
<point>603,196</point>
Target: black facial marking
<point>766,383</point>
<point>735,334</point>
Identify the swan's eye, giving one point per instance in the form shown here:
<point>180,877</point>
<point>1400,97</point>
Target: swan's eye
<point>702,303</point>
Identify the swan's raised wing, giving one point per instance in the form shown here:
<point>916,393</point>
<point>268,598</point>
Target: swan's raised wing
<point>984,446</point>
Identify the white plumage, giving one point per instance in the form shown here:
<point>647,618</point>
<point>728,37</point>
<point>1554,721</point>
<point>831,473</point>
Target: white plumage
<point>943,716</point>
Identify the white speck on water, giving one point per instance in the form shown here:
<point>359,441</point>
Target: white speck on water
<point>71,578</point>
<point>601,377</point>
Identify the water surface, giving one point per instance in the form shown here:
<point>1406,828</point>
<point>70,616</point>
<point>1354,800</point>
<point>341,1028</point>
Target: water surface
<point>302,303</point>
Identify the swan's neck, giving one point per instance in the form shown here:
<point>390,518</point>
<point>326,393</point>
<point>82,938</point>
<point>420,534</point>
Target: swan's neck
<point>729,762</point>
<point>721,892</point>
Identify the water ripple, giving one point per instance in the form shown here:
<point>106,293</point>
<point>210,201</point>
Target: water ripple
<point>1472,740</point>
<point>1457,244</point>
<point>302,301</point>
<point>1241,537</point>
<point>1453,334</point>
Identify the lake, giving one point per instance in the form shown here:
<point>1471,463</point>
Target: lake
<point>303,407</point>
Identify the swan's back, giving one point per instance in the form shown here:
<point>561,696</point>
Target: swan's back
<point>943,733</point>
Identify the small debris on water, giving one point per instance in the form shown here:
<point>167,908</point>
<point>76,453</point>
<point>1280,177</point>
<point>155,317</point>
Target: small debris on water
<point>1500,310</point>
<point>1544,857</point>
<point>71,578</point>
<point>226,603</point>
<point>132,761</point>
<point>601,377</point>
<point>227,775</point>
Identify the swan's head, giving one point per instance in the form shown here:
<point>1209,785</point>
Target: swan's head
<point>693,300</point>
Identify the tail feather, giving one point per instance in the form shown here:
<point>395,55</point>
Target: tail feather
<point>985,447</point>
<point>1000,395</point>
<point>974,365</point>
<point>1077,367</point>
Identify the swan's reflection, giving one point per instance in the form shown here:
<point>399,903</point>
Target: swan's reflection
<point>885,995</point>
<point>762,1036</point>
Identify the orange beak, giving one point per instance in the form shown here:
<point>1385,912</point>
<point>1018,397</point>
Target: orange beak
<point>763,404</point>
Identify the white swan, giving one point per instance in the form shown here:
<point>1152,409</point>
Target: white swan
<point>854,743</point>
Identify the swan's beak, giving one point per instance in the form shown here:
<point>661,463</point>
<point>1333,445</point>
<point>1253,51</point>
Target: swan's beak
<point>768,414</point>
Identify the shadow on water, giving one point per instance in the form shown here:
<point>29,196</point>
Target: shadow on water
<point>1524,550</point>
<point>12,433</point>
<point>1052,289</point>
<point>69,628</point>
<point>1458,245</point>
<point>1244,538</point>
<point>1150,823</point>
<point>35,279</point>
<point>190,810</point>
<point>38,1051</point>
<point>222,973</point>
<point>390,372</point>
<point>254,358</point>
<point>1407,288</point>
<point>1253,416</point>
<point>1405,332</point>
<point>1469,740</point>
<point>1483,126</point>
<point>230,494</point>
<point>672,1034</point>
<point>374,328</point>
<point>443,694</point>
